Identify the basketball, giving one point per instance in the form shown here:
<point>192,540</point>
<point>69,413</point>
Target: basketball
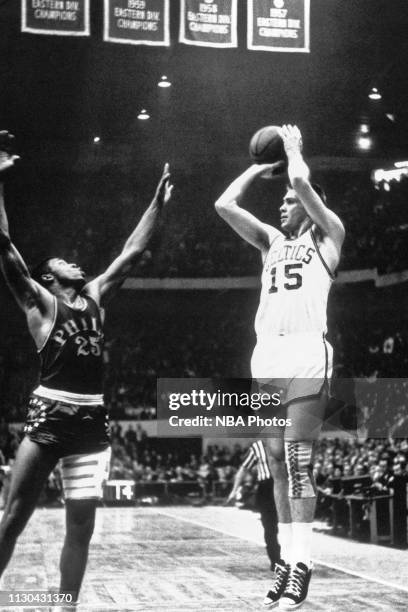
<point>266,146</point>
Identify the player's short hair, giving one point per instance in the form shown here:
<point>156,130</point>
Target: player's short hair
<point>42,267</point>
<point>318,189</point>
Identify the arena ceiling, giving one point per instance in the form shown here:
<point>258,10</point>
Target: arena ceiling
<point>59,89</point>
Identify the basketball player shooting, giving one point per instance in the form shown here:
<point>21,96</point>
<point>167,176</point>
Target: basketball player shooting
<point>299,262</point>
<point>66,419</point>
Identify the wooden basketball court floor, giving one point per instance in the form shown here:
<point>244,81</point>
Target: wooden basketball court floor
<point>185,559</point>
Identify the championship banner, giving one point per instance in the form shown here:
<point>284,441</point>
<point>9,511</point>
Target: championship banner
<point>57,17</point>
<point>137,22</point>
<point>279,25</point>
<point>208,23</point>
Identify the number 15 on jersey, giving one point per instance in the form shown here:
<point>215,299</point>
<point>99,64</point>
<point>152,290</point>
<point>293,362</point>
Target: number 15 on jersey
<point>292,278</point>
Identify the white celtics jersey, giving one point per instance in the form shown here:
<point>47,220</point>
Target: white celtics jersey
<point>295,287</point>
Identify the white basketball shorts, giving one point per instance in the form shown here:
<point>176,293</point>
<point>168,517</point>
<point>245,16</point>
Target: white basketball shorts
<point>299,364</point>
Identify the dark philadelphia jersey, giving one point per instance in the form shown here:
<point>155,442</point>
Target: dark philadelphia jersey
<point>71,358</point>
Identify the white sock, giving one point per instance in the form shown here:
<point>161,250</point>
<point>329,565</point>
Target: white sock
<point>285,540</point>
<point>301,543</point>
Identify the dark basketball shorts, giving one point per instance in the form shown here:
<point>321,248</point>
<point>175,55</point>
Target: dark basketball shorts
<point>67,429</point>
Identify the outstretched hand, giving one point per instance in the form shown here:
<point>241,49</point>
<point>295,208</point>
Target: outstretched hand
<point>292,138</point>
<point>164,189</point>
<point>7,159</point>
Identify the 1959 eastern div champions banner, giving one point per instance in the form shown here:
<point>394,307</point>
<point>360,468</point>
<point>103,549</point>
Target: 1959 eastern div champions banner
<point>137,22</point>
<point>279,25</point>
<point>57,17</point>
<point>208,23</point>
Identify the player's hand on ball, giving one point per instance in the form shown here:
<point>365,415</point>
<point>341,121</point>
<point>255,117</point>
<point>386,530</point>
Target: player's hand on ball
<point>292,138</point>
<point>164,189</point>
<point>7,159</point>
<point>270,171</point>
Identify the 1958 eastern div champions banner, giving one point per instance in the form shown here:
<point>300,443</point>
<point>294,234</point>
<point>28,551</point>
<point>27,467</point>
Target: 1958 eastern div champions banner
<point>279,25</point>
<point>208,23</point>
<point>57,17</point>
<point>137,22</point>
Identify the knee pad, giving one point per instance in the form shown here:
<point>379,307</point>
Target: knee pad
<point>298,457</point>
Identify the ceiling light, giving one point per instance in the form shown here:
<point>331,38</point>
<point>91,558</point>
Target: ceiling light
<point>143,115</point>
<point>164,82</point>
<point>374,94</point>
<point>364,143</point>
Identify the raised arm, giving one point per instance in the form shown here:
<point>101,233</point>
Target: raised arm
<point>325,219</point>
<point>245,224</point>
<point>109,281</point>
<point>33,299</point>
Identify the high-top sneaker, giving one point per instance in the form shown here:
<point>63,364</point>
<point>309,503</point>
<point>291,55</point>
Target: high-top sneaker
<point>297,585</point>
<point>282,572</point>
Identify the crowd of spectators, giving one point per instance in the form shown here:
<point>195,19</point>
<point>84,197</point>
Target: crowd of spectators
<point>194,242</point>
<point>204,336</point>
<point>378,458</point>
<point>201,245</point>
<point>210,335</point>
<point>376,225</point>
<point>373,468</point>
<point>138,457</point>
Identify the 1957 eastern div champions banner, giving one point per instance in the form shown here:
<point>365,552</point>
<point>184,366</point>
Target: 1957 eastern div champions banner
<point>57,17</point>
<point>208,23</point>
<point>279,25</point>
<point>137,22</point>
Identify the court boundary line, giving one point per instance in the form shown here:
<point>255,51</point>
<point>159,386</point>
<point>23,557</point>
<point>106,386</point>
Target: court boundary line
<point>333,566</point>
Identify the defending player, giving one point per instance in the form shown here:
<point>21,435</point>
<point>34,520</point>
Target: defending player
<point>298,267</point>
<point>66,418</point>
